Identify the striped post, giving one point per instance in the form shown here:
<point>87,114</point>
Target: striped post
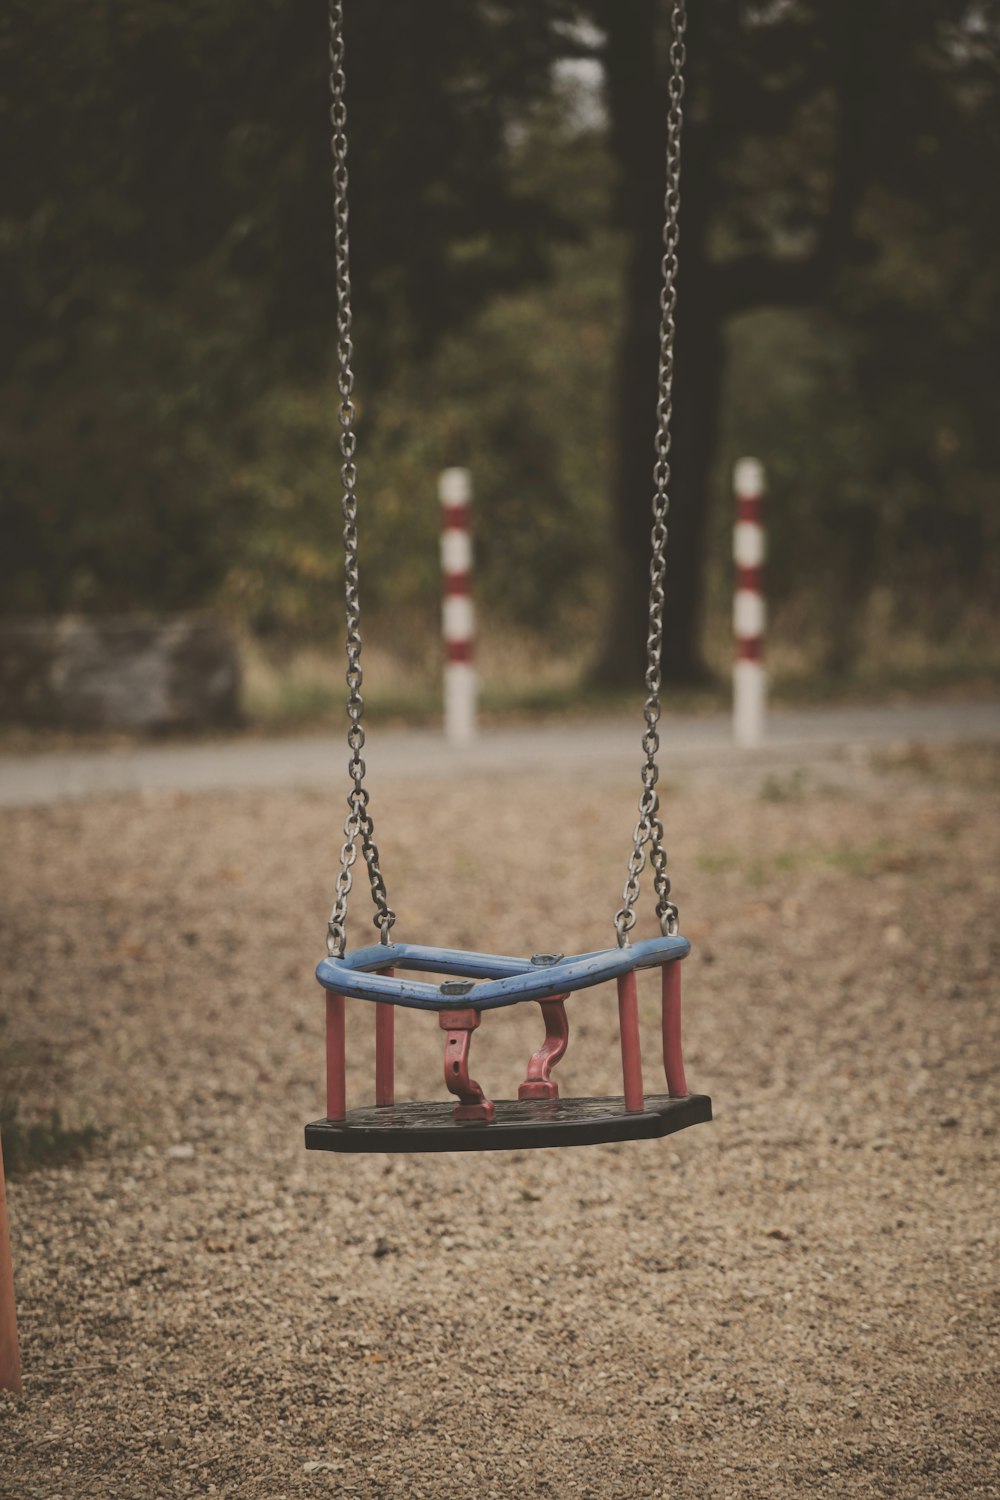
<point>749,676</point>
<point>458,616</point>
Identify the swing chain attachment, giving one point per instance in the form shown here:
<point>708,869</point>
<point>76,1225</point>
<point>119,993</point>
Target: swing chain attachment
<point>649,828</point>
<point>358,823</point>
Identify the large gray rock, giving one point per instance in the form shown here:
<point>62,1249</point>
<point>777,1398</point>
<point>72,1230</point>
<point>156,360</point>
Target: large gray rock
<point>118,671</point>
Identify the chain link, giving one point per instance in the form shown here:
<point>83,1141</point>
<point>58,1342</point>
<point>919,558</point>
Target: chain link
<point>649,828</point>
<point>358,823</point>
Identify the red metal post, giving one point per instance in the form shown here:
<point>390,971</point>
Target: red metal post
<point>10,1354</point>
<point>673,1057</point>
<point>473,1107</point>
<point>628,1021</point>
<point>385,1046</point>
<point>336,1069</point>
<point>538,1084</point>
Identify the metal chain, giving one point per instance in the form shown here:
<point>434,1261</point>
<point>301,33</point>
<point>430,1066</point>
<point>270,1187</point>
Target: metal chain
<point>358,822</point>
<point>649,828</point>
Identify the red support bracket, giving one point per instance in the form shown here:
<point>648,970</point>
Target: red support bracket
<point>538,1084</point>
<point>473,1107</point>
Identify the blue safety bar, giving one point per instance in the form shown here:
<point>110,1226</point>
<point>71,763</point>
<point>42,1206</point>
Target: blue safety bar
<point>494,980</point>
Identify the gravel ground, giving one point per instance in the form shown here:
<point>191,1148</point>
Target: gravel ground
<point>791,1300</point>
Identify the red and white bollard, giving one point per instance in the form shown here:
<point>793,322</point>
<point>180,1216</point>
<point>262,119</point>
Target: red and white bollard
<point>749,614</point>
<point>457,615</point>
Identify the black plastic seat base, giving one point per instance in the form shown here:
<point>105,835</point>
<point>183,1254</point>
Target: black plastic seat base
<point>519,1125</point>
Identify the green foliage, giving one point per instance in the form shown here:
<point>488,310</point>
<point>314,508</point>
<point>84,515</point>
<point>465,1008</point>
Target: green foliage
<point>519,395</point>
<point>114,482</point>
<point>789,788</point>
<point>167,409</point>
<point>41,1143</point>
<point>166,260</point>
<point>41,1140</point>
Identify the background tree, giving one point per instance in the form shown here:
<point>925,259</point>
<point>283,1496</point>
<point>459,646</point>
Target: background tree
<point>166,254</point>
<point>814,134</point>
<point>166,410</point>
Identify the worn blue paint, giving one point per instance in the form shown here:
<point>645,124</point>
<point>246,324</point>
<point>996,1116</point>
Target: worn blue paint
<point>499,980</point>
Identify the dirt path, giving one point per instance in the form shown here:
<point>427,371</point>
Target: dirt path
<point>608,746</point>
<point>792,1300</point>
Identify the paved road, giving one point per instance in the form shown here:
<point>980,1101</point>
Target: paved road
<point>794,737</point>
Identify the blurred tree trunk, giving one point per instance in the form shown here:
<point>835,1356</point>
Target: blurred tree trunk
<point>853,555</point>
<point>856,56</point>
<point>638,110</point>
